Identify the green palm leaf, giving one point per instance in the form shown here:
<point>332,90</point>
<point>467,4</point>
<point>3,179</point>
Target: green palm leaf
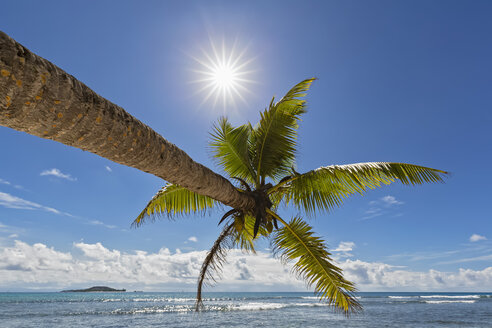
<point>296,242</point>
<point>172,200</point>
<point>230,237</point>
<point>326,187</point>
<point>213,262</point>
<point>230,147</point>
<point>274,139</point>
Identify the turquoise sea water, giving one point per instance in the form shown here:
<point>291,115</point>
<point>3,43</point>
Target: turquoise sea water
<point>241,310</point>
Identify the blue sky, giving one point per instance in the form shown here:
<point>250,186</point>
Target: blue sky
<point>398,81</point>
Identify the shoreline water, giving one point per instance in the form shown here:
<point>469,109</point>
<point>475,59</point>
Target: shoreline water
<point>269,309</point>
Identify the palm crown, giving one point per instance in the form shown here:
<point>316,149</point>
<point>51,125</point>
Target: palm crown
<point>261,159</point>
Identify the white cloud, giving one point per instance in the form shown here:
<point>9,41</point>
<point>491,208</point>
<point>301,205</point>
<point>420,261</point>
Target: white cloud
<point>383,206</point>
<point>390,201</point>
<point>380,276</point>
<point>32,266</point>
<point>5,182</point>
<point>487,258</point>
<point>14,202</point>
<point>39,266</point>
<point>193,239</point>
<point>11,231</point>
<point>475,237</point>
<point>57,173</point>
<point>108,169</point>
<point>345,246</point>
<point>10,201</point>
<point>97,222</point>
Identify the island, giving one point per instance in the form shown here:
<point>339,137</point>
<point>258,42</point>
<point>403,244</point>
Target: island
<point>93,289</point>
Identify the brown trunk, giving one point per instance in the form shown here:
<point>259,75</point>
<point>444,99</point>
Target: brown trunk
<point>41,99</point>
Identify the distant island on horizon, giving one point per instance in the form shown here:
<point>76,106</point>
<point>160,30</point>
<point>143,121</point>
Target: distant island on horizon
<point>93,289</point>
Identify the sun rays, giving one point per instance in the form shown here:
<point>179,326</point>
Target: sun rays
<point>224,75</point>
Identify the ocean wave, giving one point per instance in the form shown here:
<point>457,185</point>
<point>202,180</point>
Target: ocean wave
<point>254,306</point>
<point>250,306</point>
<point>153,310</point>
<point>402,297</point>
<point>257,306</point>
<point>447,301</point>
<point>317,298</point>
<point>307,304</point>
<point>450,296</point>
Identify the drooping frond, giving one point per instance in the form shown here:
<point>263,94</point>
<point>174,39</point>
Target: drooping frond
<point>213,262</point>
<point>274,139</point>
<point>174,200</point>
<point>230,146</point>
<point>295,242</point>
<point>326,187</point>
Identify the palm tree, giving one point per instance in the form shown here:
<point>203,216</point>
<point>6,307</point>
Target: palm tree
<point>41,99</point>
<point>261,160</point>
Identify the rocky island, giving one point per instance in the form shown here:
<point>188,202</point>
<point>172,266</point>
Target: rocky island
<point>93,289</point>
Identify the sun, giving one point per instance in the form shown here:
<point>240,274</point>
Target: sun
<point>224,75</point>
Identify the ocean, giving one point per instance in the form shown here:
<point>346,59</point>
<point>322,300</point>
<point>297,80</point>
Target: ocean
<point>143,309</point>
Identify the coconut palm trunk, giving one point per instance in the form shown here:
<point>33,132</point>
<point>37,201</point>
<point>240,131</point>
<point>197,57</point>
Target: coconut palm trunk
<point>41,99</point>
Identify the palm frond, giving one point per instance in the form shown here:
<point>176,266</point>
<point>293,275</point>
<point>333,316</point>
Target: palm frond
<point>242,233</point>
<point>213,262</point>
<point>326,187</point>
<point>173,200</point>
<point>235,234</point>
<point>230,147</point>
<point>274,139</point>
<point>296,242</point>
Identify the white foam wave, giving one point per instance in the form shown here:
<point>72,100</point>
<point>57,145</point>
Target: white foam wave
<point>162,299</point>
<point>451,296</point>
<point>317,298</point>
<point>253,306</point>
<point>308,304</point>
<point>402,297</point>
<point>445,302</point>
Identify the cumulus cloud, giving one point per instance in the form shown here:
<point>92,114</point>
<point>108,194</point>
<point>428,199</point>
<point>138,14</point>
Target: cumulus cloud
<point>193,239</point>
<point>33,266</point>
<point>475,237</point>
<point>381,276</point>
<point>37,265</point>
<point>57,173</point>
<point>343,250</point>
<point>345,246</point>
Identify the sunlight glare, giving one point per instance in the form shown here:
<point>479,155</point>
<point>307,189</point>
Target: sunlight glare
<point>223,76</point>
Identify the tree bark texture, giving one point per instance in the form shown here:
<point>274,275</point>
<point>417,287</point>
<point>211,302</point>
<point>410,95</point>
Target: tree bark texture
<point>41,99</point>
